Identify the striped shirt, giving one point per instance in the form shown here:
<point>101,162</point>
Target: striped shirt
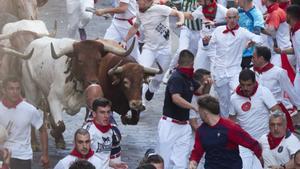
<point>191,6</point>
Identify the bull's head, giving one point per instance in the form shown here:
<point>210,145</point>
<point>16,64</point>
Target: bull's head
<point>130,78</point>
<point>86,57</point>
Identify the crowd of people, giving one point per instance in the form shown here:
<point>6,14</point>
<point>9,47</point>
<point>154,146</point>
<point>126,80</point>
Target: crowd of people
<point>232,100</point>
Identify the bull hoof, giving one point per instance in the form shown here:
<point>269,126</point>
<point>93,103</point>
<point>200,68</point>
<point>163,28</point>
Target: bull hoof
<point>61,144</point>
<point>130,121</point>
<point>35,147</point>
<point>59,140</point>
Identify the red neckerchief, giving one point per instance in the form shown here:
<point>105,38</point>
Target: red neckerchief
<point>284,5</point>
<point>272,7</point>
<point>187,71</point>
<point>103,129</point>
<point>9,104</point>
<point>231,30</point>
<point>261,70</point>
<point>273,141</point>
<point>240,92</point>
<point>210,11</point>
<point>75,153</point>
<point>295,28</point>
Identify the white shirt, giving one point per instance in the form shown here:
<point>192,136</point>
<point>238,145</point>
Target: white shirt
<point>296,44</point>
<point>282,153</point>
<point>130,13</point>
<point>19,136</point>
<point>229,50</point>
<point>252,114</point>
<point>156,26</point>
<point>220,17</point>
<point>101,143</point>
<point>276,79</point>
<point>66,162</point>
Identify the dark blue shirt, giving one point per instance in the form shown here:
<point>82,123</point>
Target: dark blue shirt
<point>179,83</point>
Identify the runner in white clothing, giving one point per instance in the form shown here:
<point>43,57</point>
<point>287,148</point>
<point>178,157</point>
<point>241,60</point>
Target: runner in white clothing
<point>212,15</point>
<point>78,17</point>
<point>155,20</point>
<point>124,17</point>
<point>18,116</point>
<point>251,105</point>
<point>275,79</point>
<point>101,134</point>
<point>229,42</point>
<point>81,151</point>
<point>293,18</point>
<point>279,145</point>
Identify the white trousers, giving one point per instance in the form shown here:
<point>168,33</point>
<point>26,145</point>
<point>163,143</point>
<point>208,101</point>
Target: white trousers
<point>77,16</point>
<point>188,39</point>
<point>174,144</point>
<point>118,34</point>
<point>224,88</point>
<point>202,59</point>
<point>250,161</point>
<point>147,58</point>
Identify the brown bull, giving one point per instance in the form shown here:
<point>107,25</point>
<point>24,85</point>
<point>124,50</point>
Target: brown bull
<point>121,80</point>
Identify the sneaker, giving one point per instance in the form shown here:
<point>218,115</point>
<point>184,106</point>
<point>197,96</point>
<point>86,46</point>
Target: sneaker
<point>149,152</point>
<point>149,95</point>
<point>82,34</point>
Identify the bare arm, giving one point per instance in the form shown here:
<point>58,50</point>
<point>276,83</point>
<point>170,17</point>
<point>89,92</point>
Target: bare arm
<point>132,31</point>
<point>44,144</point>
<point>179,15</point>
<point>188,15</point>
<point>289,51</point>
<point>120,9</point>
<point>178,100</point>
<point>194,124</point>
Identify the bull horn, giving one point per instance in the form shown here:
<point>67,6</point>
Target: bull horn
<point>118,51</point>
<point>18,54</point>
<point>115,69</point>
<point>62,53</point>
<point>5,36</point>
<point>153,70</point>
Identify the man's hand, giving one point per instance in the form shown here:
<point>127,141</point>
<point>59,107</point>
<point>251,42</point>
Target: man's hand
<point>193,165</point>
<point>250,44</point>
<point>45,161</point>
<point>121,165</point>
<point>209,23</point>
<point>206,40</point>
<point>277,50</point>
<point>100,12</point>
<point>6,154</point>
<point>179,24</point>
